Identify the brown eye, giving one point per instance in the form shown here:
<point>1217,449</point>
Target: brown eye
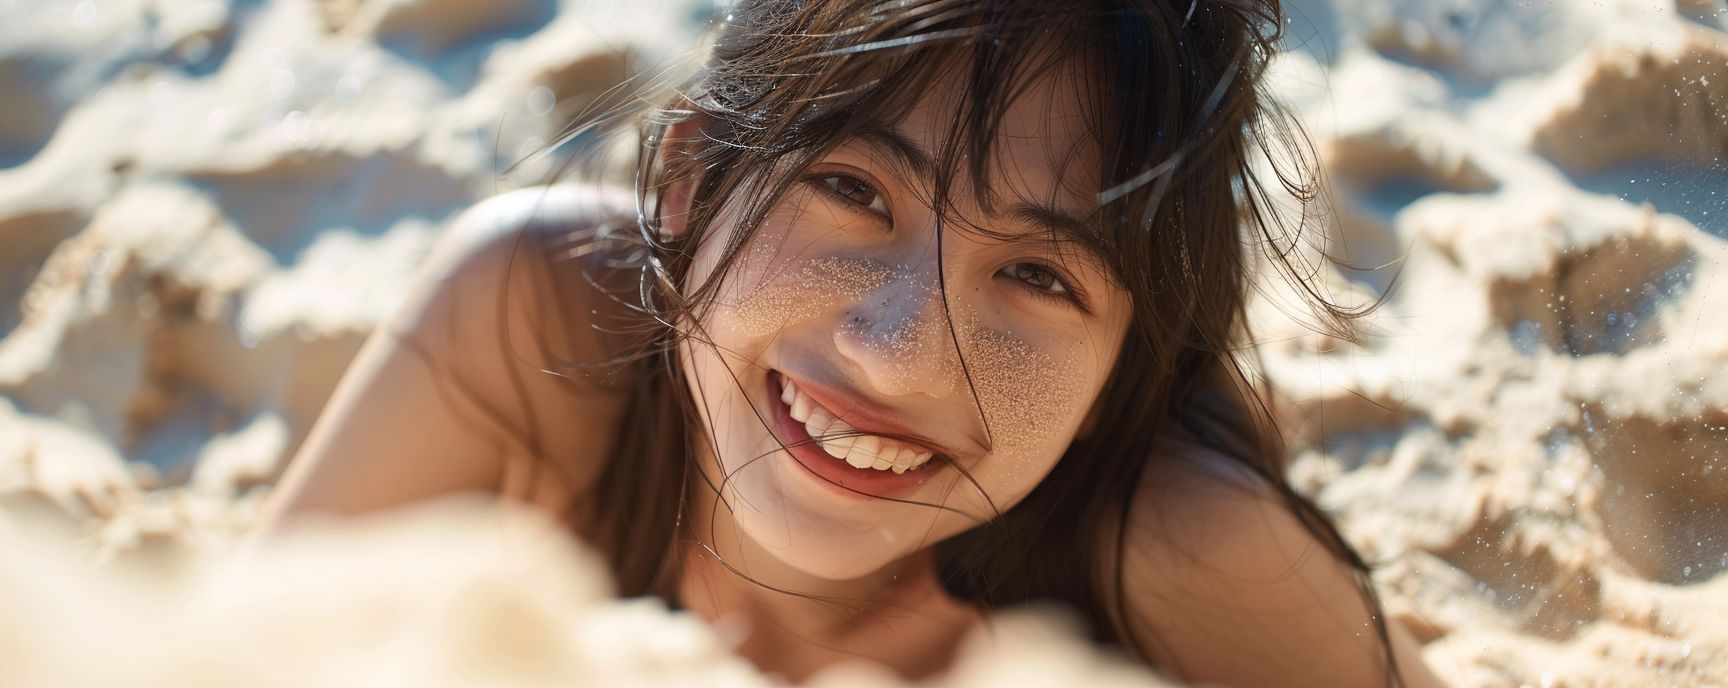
<point>857,191</point>
<point>1037,277</point>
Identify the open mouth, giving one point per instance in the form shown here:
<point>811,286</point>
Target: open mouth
<point>842,441</point>
<point>838,450</point>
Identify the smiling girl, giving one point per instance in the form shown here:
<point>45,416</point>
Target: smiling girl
<point>918,309</point>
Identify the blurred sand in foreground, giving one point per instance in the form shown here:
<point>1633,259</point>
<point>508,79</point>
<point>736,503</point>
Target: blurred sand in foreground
<point>206,205</point>
<point>456,593</point>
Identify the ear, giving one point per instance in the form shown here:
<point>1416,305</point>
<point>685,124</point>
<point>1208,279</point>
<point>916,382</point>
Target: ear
<point>675,196</point>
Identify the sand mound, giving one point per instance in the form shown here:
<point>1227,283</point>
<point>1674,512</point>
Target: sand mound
<point>1533,440</point>
<point>205,206</point>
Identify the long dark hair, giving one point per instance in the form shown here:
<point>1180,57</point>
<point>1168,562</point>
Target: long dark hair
<point>1186,223</point>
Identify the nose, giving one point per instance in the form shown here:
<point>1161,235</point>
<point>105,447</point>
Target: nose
<point>899,334</point>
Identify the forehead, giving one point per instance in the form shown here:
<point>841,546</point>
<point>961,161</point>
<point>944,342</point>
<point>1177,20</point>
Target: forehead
<point>1042,149</point>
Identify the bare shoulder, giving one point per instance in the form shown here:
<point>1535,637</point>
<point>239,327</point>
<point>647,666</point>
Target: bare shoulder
<point>457,392</point>
<point>1224,584</point>
<point>496,283</point>
<point>481,239</point>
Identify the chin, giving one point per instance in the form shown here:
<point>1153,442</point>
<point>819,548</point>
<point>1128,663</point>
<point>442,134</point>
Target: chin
<point>826,540</point>
<point>837,556</point>
<point>809,525</point>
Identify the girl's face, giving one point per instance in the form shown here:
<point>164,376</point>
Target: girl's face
<point>849,335</point>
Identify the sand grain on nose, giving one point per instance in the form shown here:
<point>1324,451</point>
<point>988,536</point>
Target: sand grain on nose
<point>902,338</point>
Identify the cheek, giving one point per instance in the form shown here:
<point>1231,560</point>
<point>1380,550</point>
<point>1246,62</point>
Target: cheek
<point>1035,383</point>
<point>772,285</point>
<point>768,297</point>
<point>1032,389</point>
<point>1031,398</point>
<point>1034,393</point>
<point>771,288</point>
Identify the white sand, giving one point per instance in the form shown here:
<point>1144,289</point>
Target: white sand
<point>459,593</point>
<point>205,206</point>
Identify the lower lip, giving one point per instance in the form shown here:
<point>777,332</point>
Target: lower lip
<point>836,474</point>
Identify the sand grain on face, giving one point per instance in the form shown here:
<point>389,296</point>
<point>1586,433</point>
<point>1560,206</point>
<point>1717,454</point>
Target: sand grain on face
<point>1028,396</point>
<point>814,288</point>
<point>908,339</point>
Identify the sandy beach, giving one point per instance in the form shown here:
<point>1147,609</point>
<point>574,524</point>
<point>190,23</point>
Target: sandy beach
<point>207,205</point>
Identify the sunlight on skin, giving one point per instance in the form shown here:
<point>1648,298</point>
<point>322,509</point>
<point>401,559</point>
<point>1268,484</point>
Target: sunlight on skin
<point>841,294</point>
<point>835,297</point>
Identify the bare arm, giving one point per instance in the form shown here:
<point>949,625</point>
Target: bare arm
<point>449,396</point>
<point>1224,586</point>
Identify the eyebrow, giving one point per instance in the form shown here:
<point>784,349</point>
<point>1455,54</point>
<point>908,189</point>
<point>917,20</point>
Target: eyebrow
<point>886,138</point>
<point>1063,226</point>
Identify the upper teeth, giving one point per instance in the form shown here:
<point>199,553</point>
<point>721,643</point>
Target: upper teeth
<point>842,441</point>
